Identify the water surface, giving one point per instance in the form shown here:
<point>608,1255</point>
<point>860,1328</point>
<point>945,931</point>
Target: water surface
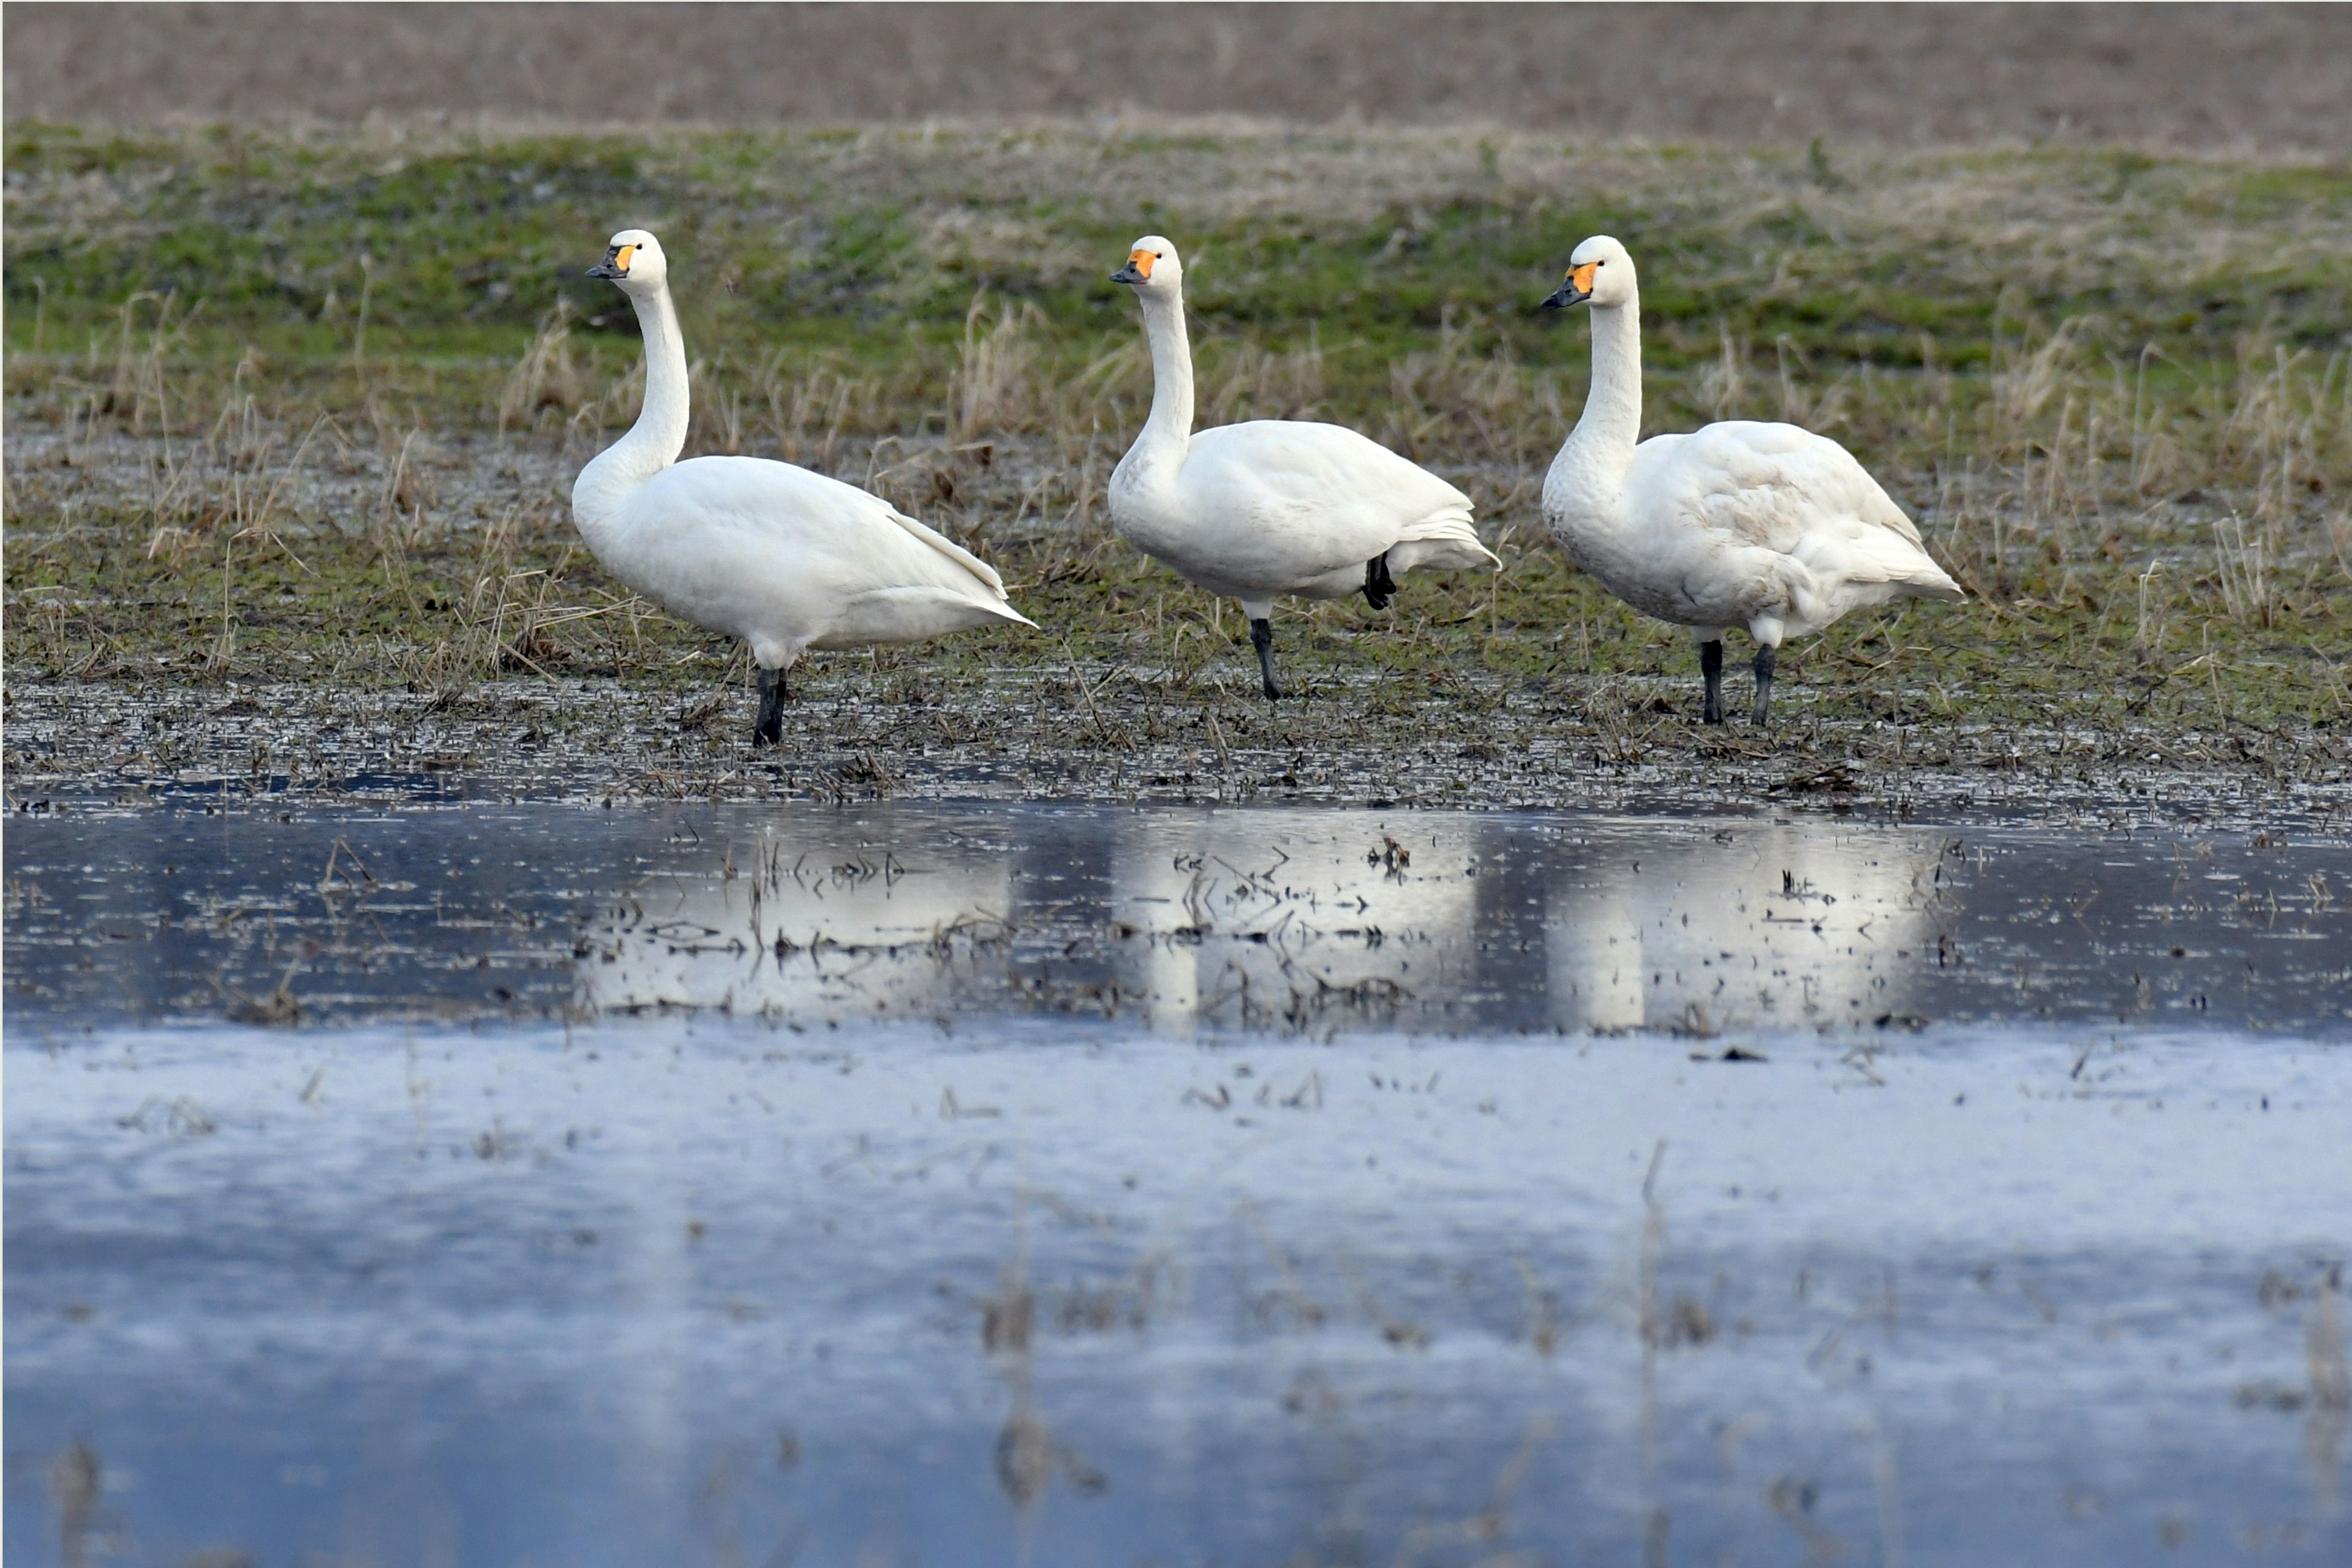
<point>1282,919</point>
<point>937,1184</point>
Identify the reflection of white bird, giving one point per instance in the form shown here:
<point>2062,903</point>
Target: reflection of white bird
<point>831,927</point>
<point>1796,926</point>
<point>785,559</point>
<point>1763,526</point>
<point>1281,910</point>
<point>1270,506</point>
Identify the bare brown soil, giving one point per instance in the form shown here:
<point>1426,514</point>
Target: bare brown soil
<point>2241,78</point>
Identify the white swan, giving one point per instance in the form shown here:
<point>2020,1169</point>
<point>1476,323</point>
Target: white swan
<point>785,559</point>
<point>1270,506</point>
<point>1738,523</point>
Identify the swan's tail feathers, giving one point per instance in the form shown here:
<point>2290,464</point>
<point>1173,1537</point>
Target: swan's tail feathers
<point>1909,565</point>
<point>1442,541</point>
<point>1938,585</point>
<point>1879,555</point>
<point>1009,616</point>
<point>1920,577</point>
<point>915,613</point>
<point>955,552</point>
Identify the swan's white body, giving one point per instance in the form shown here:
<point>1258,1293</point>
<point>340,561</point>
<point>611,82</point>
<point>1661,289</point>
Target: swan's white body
<point>1741,524</point>
<point>1284,506</point>
<point>1270,506</point>
<point>1767,527</point>
<point>788,560</point>
<point>784,558</point>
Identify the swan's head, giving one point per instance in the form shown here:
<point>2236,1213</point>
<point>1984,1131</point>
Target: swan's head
<point>1153,267</point>
<point>634,260</point>
<point>1600,272</point>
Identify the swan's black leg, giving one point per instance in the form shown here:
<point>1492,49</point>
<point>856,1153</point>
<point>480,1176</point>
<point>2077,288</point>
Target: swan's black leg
<point>1262,638</point>
<point>1379,586</point>
<point>769,729</point>
<point>1710,665</point>
<point>1764,657</point>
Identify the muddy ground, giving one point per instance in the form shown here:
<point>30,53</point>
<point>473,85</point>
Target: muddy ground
<point>1125,734</point>
<point>1151,696</point>
<point>1166,710</point>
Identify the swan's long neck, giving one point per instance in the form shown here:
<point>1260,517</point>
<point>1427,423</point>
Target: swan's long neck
<point>1169,431</point>
<point>655,441</point>
<point>1600,449</point>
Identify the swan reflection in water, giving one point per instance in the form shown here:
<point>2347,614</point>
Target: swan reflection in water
<point>815,920</point>
<point>1270,916</point>
<point>1754,926</point>
<point>1300,920</point>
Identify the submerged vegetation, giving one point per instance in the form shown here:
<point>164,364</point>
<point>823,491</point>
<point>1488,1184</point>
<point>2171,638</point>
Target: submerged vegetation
<point>304,406</point>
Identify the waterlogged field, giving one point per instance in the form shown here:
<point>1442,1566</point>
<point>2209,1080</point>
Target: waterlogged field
<point>1079,1184</point>
<point>1261,919</point>
<point>292,420</point>
<point>1058,1109</point>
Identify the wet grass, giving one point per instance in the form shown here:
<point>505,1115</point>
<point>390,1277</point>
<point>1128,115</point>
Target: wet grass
<point>303,407</point>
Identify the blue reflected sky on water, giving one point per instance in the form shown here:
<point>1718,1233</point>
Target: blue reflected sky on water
<point>496,1297</point>
<point>1205,1230</point>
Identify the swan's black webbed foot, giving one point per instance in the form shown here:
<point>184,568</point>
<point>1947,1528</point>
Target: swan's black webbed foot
<point>1262,639</point>
<point>1379,586</point>
<point>1710,665</point>
<point>1764,658</point>
<point>769,729</point>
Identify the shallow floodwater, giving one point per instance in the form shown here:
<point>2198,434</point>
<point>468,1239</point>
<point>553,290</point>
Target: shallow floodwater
<point>1285,919</point>
<point>1088,1185</point>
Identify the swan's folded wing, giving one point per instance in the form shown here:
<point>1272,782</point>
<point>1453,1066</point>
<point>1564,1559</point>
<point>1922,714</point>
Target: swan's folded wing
<point>1324,487</point>
<point>1309,461</point>
<point>874,510</point>
<point>947,547</point>
<point>1797,495</point>
<point>1769,485</point>
<point>860,538</point>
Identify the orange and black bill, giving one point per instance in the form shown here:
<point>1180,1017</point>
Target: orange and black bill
<point>1575,288</point>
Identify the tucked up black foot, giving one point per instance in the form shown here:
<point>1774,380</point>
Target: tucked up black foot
<point>1262,638</point>
<point>1710,665</point>
<point>1764,657</point>
<point>1379,586</point>
<point>769,729</point>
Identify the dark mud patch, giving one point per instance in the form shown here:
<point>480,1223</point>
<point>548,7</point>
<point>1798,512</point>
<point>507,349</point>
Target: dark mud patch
<point>1112,732</point>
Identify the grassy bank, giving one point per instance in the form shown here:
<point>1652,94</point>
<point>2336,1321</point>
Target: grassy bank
<point>304,406</point>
